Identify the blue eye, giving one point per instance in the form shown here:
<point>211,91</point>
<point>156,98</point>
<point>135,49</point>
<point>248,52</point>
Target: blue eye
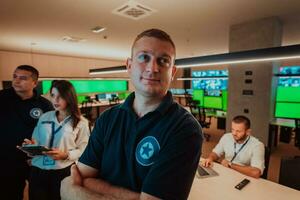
<point>143,58</point>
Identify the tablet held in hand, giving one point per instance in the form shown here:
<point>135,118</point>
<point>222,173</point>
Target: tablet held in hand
<point>33,150</point>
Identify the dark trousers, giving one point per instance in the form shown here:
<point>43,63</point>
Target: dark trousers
<point>13,177</point>
<point>45,184</point>
<point>12,187</point>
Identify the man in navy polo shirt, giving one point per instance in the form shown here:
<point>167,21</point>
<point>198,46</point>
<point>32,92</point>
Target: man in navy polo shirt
<point>149,146</point>
<point>20,109</point>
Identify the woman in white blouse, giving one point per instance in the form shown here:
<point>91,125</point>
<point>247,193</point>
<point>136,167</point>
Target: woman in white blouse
<point>65,132</point>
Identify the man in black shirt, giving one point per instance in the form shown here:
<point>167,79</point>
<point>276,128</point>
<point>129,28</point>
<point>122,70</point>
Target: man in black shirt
<point>149,146</point>
<point>20,109</point>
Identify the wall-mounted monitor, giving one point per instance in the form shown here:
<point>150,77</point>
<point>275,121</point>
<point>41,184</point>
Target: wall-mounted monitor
<point>210,73</point>
<point>198,95</point>
<point>213,102</point>
<point>287,103</point>
<point>210,83</point>
<point>287,110</point>
<point>92,86</point>
<point>288,94</point>
<point>177,91</point>
<point>289,70</point>
<point>289,81</point>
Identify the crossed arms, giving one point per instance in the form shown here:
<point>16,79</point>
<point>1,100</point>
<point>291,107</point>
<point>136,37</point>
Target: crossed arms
<point>83,185</point>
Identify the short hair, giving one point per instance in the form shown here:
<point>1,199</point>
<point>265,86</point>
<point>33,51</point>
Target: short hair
<point>155,33</point>
<point>34,71</point>
<point>242,119</point>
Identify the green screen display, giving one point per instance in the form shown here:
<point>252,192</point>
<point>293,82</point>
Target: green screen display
<point>213,102</point>
<point>288,94</point>
<point>224,99</point>
<point>81,98</point>
<point>287,110</point>
<point>92,86</point>
<point>198,95</point>
<point>123,95</point>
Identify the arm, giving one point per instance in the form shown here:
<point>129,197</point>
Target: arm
<point>247,170</point>
<point>208,162</point>
<point>81,140</point>
<point>77,187</point>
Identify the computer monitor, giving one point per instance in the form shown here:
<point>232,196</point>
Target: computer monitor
<point>101,97</point>
<point>213,102</point>
<point>289,70</point>
<point>287,103</point>
<point>92,86</point>
<point>198,95</point>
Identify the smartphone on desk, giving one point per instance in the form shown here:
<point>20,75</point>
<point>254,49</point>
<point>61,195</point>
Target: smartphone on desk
<point>34,150</point>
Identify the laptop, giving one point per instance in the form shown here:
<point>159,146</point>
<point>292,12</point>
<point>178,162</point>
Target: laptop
<point>205,172</point>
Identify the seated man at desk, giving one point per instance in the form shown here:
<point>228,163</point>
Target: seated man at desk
<point>242,152</point>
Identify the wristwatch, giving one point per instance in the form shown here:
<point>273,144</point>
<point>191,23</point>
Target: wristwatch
<point>229,164</point>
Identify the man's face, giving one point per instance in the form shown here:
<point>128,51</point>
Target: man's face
<point>151,67</point>
<point>23,82</point>
<point>239,131</point>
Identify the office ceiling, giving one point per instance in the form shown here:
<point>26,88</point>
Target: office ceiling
<point>198,27</point>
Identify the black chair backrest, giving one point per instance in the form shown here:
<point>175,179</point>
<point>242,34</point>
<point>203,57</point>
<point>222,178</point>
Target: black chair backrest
<point>289,174</point>
<point>267,161</point>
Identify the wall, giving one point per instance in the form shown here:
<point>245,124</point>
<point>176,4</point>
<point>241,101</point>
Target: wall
<point>259,106</point>
<point>62,66</point>
<point>53,65</point>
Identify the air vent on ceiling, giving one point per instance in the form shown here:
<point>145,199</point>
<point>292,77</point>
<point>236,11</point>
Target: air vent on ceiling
<point>133,10</point>
<point>73,39</point>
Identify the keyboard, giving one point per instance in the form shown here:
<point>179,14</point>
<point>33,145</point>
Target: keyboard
<point>202,172</point>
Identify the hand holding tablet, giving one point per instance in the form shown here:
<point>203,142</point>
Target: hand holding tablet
<point>33,150</point>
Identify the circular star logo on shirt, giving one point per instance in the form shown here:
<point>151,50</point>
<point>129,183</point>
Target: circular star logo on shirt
<point>146,150</point>
<point>36,113</point>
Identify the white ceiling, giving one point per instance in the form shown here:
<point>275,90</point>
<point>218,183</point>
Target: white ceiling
<point>198,27</point>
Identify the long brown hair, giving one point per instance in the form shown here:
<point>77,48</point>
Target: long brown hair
<point>67,92</point>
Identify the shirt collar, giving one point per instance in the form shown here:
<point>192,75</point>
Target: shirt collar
<point>162,108</point>
<point>35,96</point>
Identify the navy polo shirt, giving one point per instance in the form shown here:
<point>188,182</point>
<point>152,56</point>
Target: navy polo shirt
<point>18,118</point>
<point>157,154</point>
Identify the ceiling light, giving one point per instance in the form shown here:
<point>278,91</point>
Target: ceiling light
<point>108,70</point>
<point>257,55</point>
<point>98,29</point>
<point>73,39</point>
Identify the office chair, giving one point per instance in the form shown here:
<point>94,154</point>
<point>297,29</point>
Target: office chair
<point>267,161</point>
<point>199,114</point>
<point>289,172</point>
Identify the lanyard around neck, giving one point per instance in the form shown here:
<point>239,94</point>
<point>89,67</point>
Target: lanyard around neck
<point>53,130</point>
<point>236,153</point>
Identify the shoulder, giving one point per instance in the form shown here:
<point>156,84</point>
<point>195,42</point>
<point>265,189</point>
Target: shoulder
<point>48,115</point>
<point>183,121</point>
<point>227,138</point>
<point>83,121</point>
<point>111,112</point>
<point>6,93</point>
<point>43,100</point>
<point>256,142</point>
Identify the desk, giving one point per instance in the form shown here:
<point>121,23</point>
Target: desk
<point>99,106</point>
<point>179,97</point>
<point>222,187</point>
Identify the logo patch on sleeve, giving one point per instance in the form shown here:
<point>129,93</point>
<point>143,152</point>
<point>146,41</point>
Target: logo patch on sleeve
<point>146,150</point>
<point>36,113</point>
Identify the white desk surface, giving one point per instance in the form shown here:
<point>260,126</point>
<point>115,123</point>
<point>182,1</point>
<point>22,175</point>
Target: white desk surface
<point>222,188</point>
